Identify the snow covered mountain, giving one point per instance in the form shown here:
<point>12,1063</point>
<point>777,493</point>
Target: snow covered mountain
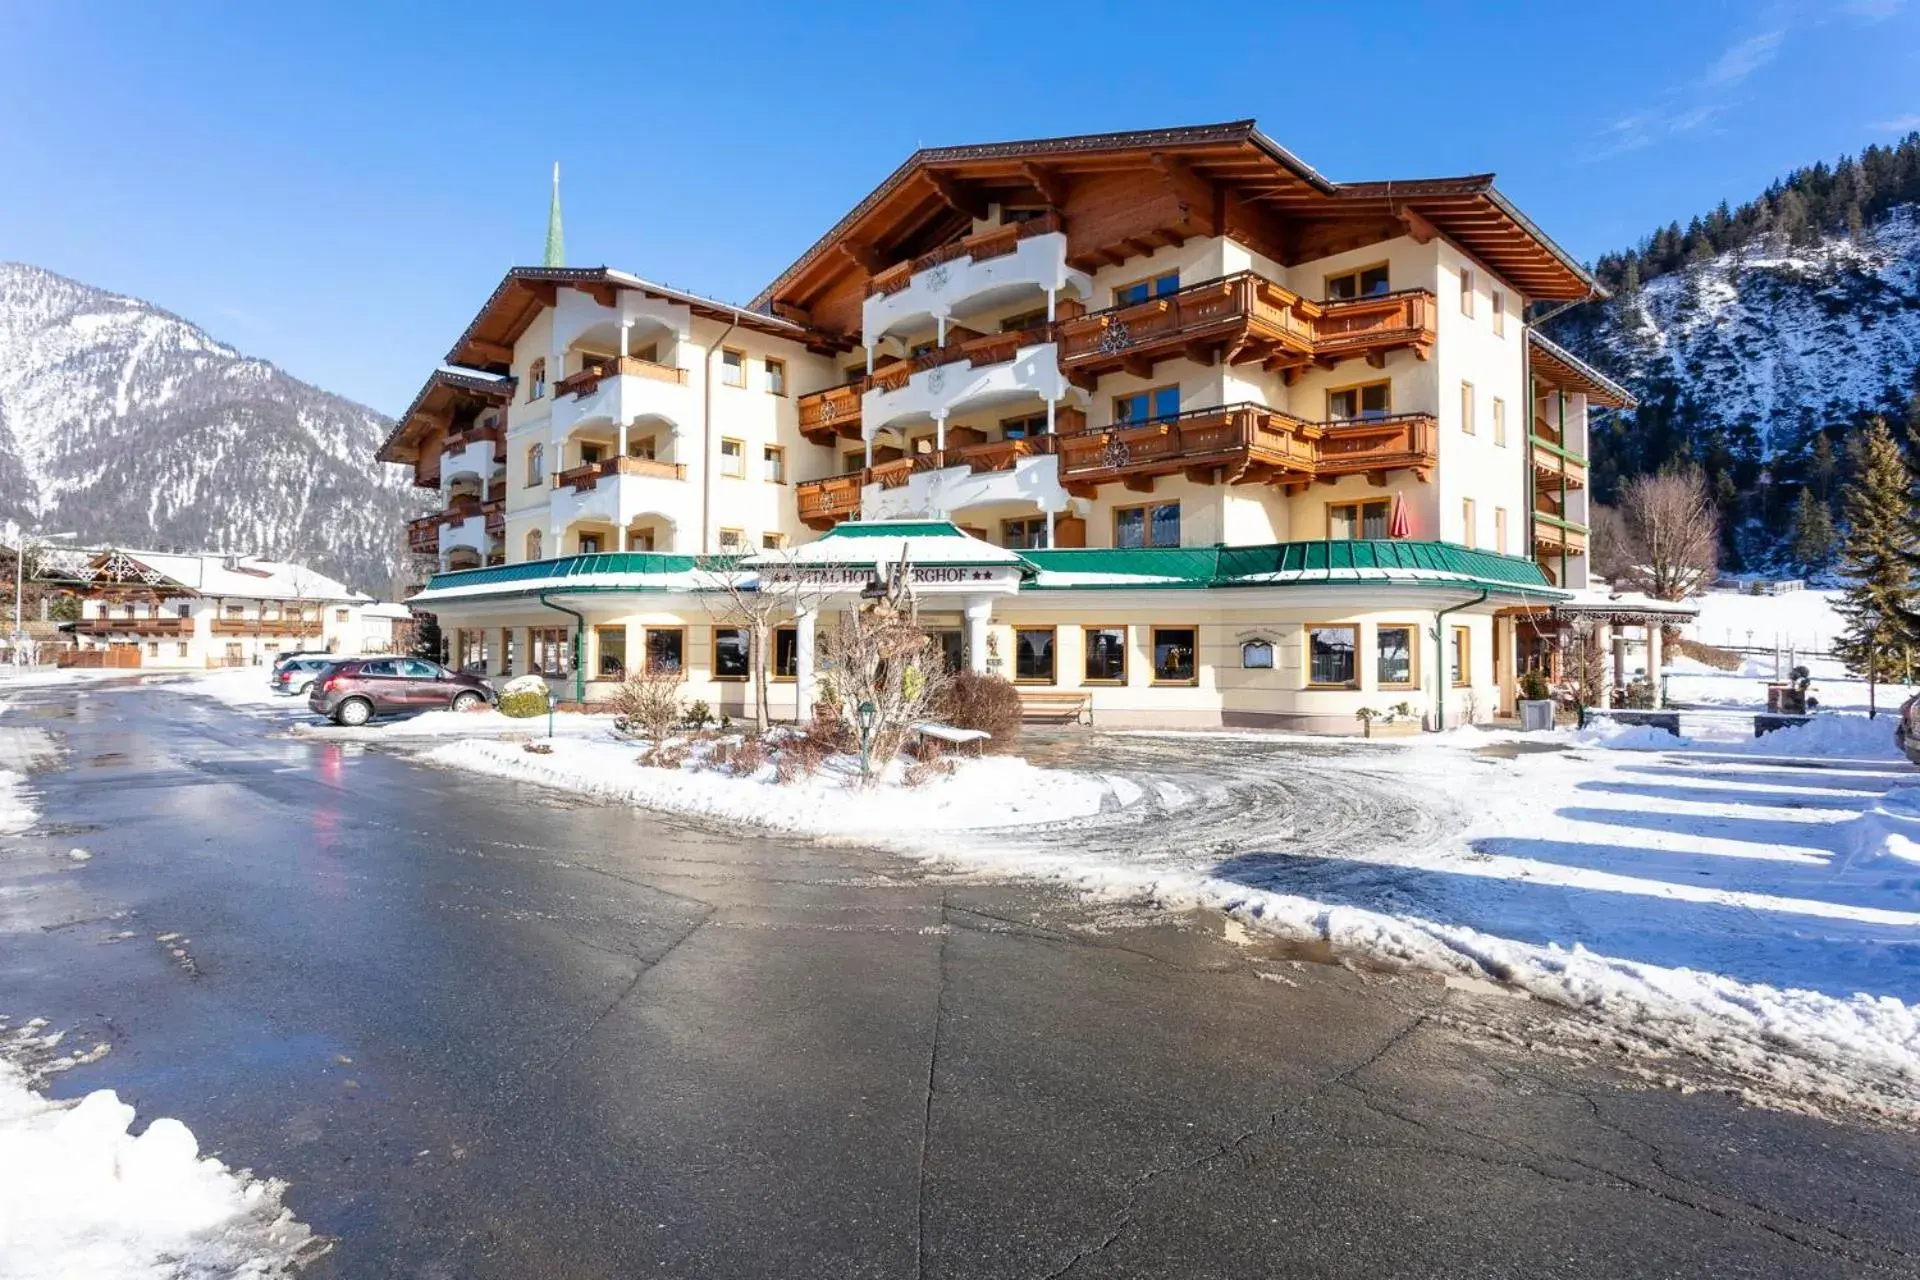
<point>126,424</point>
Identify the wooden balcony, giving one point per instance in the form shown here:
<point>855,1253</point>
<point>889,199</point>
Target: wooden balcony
<point>624,367</point>
<point>1234,443</point>
<point>824,503</point>
<point>585,477</point>
<point>494,433</point>
<point>1243,316</point>
<point>266,626</point>
<point>994,243</point>
<point>1552,536</point>
<point>423,535</point>
<point>1554,466</point>
<point>830,413</point>
<point>495,510</point>
<point>1375,325</point>
<point>1374,446</point>
<point>460,509</point>
<point>135,626</point>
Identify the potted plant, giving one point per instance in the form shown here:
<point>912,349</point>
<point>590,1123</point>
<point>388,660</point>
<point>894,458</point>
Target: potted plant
<point>1536,701</point>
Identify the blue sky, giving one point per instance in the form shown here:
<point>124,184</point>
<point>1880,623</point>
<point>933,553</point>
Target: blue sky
<point>337,187</point>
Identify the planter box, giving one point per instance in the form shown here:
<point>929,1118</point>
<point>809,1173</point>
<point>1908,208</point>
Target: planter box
<point>1536,714</point>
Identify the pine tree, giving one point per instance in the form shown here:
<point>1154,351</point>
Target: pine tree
<point>1821,470</point>
<point>1813,534</point>
<point>1879,556</point>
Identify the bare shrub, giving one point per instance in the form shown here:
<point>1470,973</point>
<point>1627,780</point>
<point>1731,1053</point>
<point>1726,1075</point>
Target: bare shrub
<point>648,702</point>
<point>921,772</point>
<point>749,758</point>
<point>925,750</point>
<point>720,756</point>
<point>984,702</point>
<point>1717,658</point>
<point>881,656</point>
<point>665,757</point>
<point>799,758</point>
<point>832,731</point>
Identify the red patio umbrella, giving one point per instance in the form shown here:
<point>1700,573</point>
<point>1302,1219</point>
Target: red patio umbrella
<point>1399,524</point>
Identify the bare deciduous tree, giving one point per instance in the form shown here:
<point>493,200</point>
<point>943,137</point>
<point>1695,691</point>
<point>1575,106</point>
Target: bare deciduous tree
<point>1672,531</point>
<point>880,654</point>
<point>1610,550</point>
<point>731,601</point>
<point>1583,664</point>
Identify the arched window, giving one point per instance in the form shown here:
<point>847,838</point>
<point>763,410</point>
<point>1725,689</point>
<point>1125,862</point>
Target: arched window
<point>537,380</point>
<point>536,465</point>
<point>533,545</point>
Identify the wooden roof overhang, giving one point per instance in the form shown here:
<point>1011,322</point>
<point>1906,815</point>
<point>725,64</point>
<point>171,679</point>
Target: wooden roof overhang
<point>1203,180</point>
<point>1558,368</point>
<point>445,389</point>
<point>487,343</point>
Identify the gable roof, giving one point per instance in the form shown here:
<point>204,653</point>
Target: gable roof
<point>241,577</point>
<point>443,388</point>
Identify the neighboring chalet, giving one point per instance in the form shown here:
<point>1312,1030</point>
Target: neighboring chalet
<point>197,611</point>
<point>1239,443</point>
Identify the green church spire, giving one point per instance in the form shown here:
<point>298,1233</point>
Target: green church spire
<point>556,241</point>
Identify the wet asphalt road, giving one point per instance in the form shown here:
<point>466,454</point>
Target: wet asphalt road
<point>487,1032</point>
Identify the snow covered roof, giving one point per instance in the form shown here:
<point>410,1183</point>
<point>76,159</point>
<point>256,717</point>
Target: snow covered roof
<point>1556,365</point>
<point>867,543</point>
<point>1625,606</point>
<point>212,574</point>
<point>387,609</point>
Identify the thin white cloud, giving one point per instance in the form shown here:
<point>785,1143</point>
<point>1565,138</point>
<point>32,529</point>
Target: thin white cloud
<point>1873,10</point>
<point>1899,124</point>
<point>1744,58</point>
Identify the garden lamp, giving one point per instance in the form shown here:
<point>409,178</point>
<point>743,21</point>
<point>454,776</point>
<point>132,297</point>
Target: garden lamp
<point>867,713</point>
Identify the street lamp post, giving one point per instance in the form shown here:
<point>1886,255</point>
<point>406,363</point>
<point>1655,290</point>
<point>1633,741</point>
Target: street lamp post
<point>867,715</point>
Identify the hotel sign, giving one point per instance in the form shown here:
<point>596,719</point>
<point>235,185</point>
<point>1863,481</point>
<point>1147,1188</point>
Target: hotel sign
<point>855,577</point>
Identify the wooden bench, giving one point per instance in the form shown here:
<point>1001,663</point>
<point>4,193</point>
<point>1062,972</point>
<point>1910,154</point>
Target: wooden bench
<point>1063,708</point>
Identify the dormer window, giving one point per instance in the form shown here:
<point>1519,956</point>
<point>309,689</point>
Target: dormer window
<point>537,380</point>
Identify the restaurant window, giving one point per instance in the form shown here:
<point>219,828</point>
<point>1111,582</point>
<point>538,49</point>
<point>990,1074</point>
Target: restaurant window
<point>733,459</point>
<point>610,645</point>
<point>733,540</point>
<point>1330,652</point>
<point>786,653</point>
<point>507,650</point>
<point>773,464</point>
<point>1257,655</point>
<point>1156,405</point>
<point>733,367</point>
<point>1033,654</point>
<point>549,651</point>
<point>1153,287</point>
<point>1024,428</point>
<point>1466,291</point>
<point>952,644</point>
<point>1466,408</point>
<point>589,544</point>
<point>1497,307</point>
<point>1025,533</point>
<point>471,650</point>
<point>1469,518</point>
<point>666,649</point>
<point>1368,520</point>
<point>1461,659</point>
<point>1363,283</point>
<point>533,544</point>
<point>1500,422</point>
<point>1393,656</point>
<point>536,465</point>
<point>1106,654</point>
<point>1173,655</point>
<point>1500,530</point>
<point>730,648</point>
<point>537,380</point>
<point>1370,401</point>
<point>1156,524</point>
<point>776,376</point>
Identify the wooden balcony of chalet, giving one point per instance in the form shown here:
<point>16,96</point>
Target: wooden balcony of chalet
<point>495,510</point>
<point>281,626</point>
<point>826,502</point>
<point>1246,444</point>
<point>423,535</point>
<point>996,242</point>
<point>582,478</point>
<point>622,366</point>
<point>1373,446</point>
<point>493,433</point>
<point>149,626</point>
<point>1555,466</point>
<point>1554,536</point>
<point>1374,325</point>
<point>462,508</point>
<point>833,412</point>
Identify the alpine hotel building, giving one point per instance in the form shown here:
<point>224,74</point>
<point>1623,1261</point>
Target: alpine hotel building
<point>1167,428</point>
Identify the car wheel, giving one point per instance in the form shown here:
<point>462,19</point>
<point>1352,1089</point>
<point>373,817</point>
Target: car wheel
<point>353,713</point>
<point>305,689</point>
<point>466,701</point>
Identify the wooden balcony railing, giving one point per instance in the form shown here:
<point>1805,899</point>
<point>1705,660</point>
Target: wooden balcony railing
<point>492,433</point>
<point>1374,446</point>
<point>1375,325</point>
<point>584,477</point>
<point>1554,534</point>
<point>1245,311</point>
<point>266,626</point>
<point>835,411</point>
<point>465,507</point>
<point>994,243</point>
<point>625,366</point>
<point>823,503</point>
<point>1554,466</point>
<point>1248,440</point>
<point>135,626</point>
<point>495,509</point>
<point>423,535</point>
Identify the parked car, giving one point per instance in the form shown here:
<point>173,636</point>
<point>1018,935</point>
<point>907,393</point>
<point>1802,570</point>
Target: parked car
<point>291,655</point>
<point>1906,730</point>
<point>354,691</point>
<point>296,675</point>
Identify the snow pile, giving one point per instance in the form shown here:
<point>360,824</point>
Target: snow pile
<point>244,687</point>
<point>82,1197</point>
<point>1829,737</point>
<point>1616,736</point>
<point>992,791</point>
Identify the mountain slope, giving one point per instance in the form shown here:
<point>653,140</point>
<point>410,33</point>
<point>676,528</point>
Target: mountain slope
<point>126,424</point>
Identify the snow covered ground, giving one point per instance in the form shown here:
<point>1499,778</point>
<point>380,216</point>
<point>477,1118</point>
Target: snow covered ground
<point>1793,624</point>
<point>83,1198</point>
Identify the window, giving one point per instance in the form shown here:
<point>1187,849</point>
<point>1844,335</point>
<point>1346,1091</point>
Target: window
<point>1330,656</point>
<point>1346,520</point>
<point>1033,654</point>
<point>786,653</point>
<point>549,651</point>
<point>1140,290</point>
<point>773,464</point>
<point>589,544</point>
<point>1468,519</point>
<point>1024,321</point>
<point>536,465</point>
<point>183,610</point>
<point>610,645</point>
<point>733,540</point>
<point>730,649</point>
<point>1462,657</point>
<point>1106,656</point>
<point>1466,291</point>
<point>1257,655</point>
<point>1497,306</point>
<point>182,650</point>
<point>1363,283</point>
<point>1173,655</point>
<point>507,650</point>
<point>1147,406</point>
<point>1024,428</point>
<point>666,648</point>
<point>1393,656</point>
<point>232,610</point>
<point>776,376</point>
<point>733,367</point>
<point>1466,408</point>
<point>470,650</point>
<point>1370,401</point>
<point>1500,422</point>
<point>153,648</point>
<point>1500,530</point>
<point>340,615</point>
<point>536,381</point>
<point>590,455</point>
<point>1157,524</point>
<point>1024,533</point>
<point>772,541</point>
<point>733,459</point>
<point>533,544</point>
